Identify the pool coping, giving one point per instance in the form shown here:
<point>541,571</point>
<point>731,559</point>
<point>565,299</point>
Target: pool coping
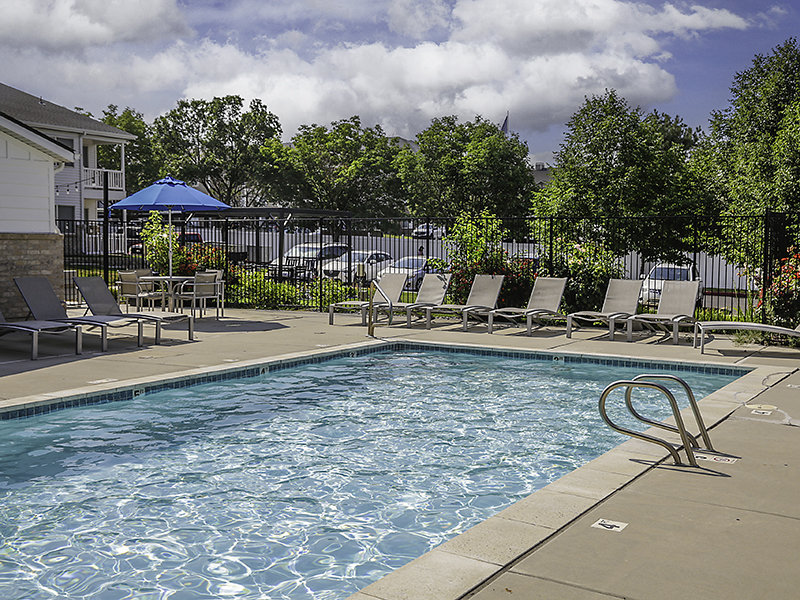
<point>465,563</point>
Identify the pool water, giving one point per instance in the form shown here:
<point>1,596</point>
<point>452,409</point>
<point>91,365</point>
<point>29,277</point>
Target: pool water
<point>306,483</point>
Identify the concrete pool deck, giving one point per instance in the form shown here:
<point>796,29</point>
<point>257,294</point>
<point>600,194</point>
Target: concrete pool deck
<point>724,530</point>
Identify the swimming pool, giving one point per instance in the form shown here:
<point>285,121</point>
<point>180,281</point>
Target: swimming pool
<point>309,482</point>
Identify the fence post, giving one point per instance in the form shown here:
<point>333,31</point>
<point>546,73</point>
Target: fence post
<point>550,223</point>
<point>765,271</point>
<point>105,227</point>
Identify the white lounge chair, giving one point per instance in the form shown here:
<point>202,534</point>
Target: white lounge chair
<point>675,308</point>
<point>543,304</point>
<point>482,298</point>
<point>622,298</point>
<point>387,293</point>
<point>700,327</point>
<point>431,292</point>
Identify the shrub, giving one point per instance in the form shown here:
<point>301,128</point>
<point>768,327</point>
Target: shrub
<point>255,289</point>
<point>327,291</point>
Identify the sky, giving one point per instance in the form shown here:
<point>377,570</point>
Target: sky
<point>396,63</point>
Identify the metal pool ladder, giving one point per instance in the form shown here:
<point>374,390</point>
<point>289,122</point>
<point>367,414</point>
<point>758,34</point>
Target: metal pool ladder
<point>647,381</point>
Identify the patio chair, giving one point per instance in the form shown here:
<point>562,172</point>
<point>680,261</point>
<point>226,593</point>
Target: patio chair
<point>206,285</point>
<point>387,293</point>
<point>431,292</point>
<point>37,327</point>
<point>622,298</point>
<point>543,304</point>
<point>101,302</point>
<point>131,287</point>
<point>482,298</point>
<point>675,308</point>
<point>44,305</point>
<point>702,326</point>
<point>221,288</point>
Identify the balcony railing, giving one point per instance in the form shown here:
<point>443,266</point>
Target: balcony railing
<point>93,178</point>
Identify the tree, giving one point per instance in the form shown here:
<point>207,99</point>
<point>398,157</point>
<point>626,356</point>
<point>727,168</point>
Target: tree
<point>141,163</point>
<point>620,165</point>
<point>754,138</point>
<point>470,167</point>
<point>345,167</point>
<point>217,144</point>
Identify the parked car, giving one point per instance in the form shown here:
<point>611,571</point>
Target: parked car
<point>301,261</point>
<point>363,265</point>
<point>184,239</point>
<point>654,280</point>
<point>415,267</point>
<point>428,231</point>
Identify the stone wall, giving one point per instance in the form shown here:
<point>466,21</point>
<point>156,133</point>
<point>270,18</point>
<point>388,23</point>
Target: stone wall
<point>28,254</point>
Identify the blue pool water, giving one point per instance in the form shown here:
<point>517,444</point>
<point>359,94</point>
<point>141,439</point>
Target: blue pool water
<point>306,483</point>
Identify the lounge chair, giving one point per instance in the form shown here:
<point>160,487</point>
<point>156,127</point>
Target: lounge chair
<point>431,292</point>
<point>482,298</point>
<point>702,326</point>
<point>44,305</point>
<point>37,327</point>
<point>675,308</point>
<point>387,292</point>
<point>622,298</point>
<point>101,303</point>
<point>543,304</point>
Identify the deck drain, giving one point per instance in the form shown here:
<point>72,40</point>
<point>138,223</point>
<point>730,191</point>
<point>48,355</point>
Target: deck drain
<point>109,380</point>
<point>609,525</point>
<point>761,406</point>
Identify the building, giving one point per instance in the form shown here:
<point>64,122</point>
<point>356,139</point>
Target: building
<point>30,243</point>
<point>79,185</point>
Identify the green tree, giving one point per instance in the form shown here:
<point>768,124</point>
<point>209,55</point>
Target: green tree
<point>342,167</point>
<point>141,163</point>
<point>618,164</point>
<point>217,143</point>
<point>754,150</point>
<point>470,167</point>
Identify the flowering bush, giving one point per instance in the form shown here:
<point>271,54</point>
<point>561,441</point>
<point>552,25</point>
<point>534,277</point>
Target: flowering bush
<point>589,269</point>
<point>783,293</point>
<point>475,247</point>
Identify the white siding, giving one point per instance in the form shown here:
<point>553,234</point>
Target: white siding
<point>27,203</point>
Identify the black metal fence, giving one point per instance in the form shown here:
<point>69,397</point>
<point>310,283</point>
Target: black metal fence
<point>309,262</point>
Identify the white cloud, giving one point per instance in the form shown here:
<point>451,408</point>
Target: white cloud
<point>74,24</point>
<point>537,59</point>
<point>415,18</point>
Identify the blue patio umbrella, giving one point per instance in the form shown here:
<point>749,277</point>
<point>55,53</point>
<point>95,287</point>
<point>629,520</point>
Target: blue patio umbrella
<point>168,195</point>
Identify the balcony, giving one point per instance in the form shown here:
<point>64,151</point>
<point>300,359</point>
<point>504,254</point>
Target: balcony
<point>93,179</point>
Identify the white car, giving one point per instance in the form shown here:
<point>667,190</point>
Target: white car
<point>654,281</point>
<point>415,267</point>
<point>301,261</point>
<point>428,231</point>
<point>362,265</point>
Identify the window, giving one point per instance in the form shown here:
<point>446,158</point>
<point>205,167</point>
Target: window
<point>65,212</point>
<point>69,143</point>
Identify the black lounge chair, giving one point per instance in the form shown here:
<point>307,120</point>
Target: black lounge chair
<point>44,305</point>
<point>37,327</point>
<point>101,303</point>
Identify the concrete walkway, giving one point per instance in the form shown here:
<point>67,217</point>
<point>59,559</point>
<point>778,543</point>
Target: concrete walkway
<point>725,530</point>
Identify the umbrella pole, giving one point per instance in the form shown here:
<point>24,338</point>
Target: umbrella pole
<point>169,239</point>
